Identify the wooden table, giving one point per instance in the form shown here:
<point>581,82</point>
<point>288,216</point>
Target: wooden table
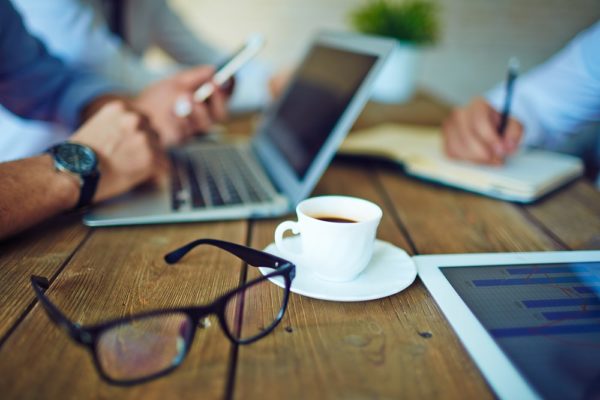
<point>396,347</point>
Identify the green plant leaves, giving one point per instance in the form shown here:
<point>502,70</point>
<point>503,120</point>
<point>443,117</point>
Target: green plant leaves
<point>412,21</point>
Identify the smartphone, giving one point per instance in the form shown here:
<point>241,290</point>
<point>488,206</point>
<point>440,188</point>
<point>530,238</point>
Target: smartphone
<point>225,71</point>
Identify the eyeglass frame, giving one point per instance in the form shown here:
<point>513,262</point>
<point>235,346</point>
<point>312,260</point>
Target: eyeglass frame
<point>88,336</point>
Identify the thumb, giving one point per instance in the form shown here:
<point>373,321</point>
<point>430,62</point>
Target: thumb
<point>196,76</point>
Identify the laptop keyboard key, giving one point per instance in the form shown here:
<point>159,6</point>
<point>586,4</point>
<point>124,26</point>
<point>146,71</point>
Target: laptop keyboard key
<point>219,176</point>
<point>195,191</point>
<point>177,198</point>
<point>215,196</point>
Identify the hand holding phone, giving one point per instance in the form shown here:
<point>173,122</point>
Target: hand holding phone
<point>182,107</point>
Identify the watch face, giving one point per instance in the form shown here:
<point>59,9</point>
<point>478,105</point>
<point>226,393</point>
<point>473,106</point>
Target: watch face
<point>75,157</point>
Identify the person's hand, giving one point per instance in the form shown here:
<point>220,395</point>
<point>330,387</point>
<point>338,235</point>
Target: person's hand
<point>157,101</point>
<point>279,81</point>
<point>471,133</point>
<point>127,147</point>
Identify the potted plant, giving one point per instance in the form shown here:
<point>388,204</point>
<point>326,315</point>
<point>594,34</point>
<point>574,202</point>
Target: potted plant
<point>413,23</point>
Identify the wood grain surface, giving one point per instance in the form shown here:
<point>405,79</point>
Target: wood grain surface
<point>572,216</point>
<point>445,220</point>
<point>385,349</point>
<point>396,347</point>
<point>120,271</point>
<point>40,251</point>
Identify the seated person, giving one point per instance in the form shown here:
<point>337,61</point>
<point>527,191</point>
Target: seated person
<point>550,102</point>
<point>122,141</point>
<point>109,37</point>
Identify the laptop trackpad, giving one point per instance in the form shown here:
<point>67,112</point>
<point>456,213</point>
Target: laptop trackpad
<point>144,200</point>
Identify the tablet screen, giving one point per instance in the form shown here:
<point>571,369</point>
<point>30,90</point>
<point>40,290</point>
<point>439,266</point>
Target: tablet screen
<point>544,317</point>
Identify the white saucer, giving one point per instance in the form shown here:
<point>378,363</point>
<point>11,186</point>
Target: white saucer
<point>390,271</point>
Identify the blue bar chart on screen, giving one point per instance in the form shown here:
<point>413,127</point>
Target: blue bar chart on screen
<point>545,318</point>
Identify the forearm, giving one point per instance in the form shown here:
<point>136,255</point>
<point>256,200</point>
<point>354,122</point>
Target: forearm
<point>32,190</point>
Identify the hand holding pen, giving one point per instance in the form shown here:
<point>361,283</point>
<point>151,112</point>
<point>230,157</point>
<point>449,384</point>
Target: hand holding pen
<point>480,134</point>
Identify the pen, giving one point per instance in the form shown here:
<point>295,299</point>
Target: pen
<point>513,71</point>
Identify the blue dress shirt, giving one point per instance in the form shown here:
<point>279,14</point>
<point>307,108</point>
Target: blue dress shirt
<point>36,85</point>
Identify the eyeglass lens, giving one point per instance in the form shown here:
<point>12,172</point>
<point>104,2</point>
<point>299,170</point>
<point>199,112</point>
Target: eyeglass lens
<point>144,346</point>
<point>253,310</point>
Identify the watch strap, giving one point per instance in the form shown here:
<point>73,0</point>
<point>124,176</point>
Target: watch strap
<point>88,182</point>
<point>88,189</point>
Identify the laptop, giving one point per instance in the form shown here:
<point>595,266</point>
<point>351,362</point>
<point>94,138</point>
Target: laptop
<point>287,155</point>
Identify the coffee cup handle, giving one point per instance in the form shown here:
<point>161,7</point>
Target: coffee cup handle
<point>281,246</point>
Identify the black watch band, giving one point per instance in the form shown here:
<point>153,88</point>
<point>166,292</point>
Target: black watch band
<point>88,189</point>
<point>81,162</point>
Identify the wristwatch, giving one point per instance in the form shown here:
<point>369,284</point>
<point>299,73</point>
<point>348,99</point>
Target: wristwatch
<point>81,162</point>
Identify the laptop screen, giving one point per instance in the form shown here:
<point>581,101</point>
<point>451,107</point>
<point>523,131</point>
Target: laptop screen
<point>324,85</point>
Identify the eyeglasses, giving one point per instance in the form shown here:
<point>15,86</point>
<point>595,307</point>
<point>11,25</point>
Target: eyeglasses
<point>144,346</point>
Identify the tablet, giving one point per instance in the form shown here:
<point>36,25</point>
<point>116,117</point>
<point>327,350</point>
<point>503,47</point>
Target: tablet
<point>530,321</point>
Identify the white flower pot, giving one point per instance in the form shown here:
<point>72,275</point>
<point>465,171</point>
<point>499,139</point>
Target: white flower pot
<point>397,79</point>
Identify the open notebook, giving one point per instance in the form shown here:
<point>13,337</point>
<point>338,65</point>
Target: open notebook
<point>524,177</point>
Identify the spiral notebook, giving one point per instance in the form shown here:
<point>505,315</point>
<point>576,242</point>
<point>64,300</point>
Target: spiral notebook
<point>525,177</point>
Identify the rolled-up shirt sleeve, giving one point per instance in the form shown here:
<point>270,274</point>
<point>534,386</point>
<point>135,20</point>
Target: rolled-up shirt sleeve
<point>36,85</point>
<point>560,96</point>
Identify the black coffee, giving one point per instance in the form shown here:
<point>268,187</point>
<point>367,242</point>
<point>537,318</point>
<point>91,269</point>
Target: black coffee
<point>335,219</point>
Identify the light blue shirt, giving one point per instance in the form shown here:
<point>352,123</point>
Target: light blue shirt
<point>560,96</point>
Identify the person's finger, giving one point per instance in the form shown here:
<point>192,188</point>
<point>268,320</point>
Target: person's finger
<point>279,81</point>
<point>454,139</point>
<point>456,148</point>
<point>194,77</point>
<point>146,125</point>
<point>483,126</point>
<point>154,140</point>
<point>200,119</point>
<point>157,153</point>
<point>130,122</point>
<point>217,105</point>
<point>182,107</point>
<point>175,129</point>
<point>474,149</point>
<point>450,137</point>
<point>186,126</point>
<point>512,135</point>
<point>451,147</point>
<point>481,148</point>
<point>453,142</point>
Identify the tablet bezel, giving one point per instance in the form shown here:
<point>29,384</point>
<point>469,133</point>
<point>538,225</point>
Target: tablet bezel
<point>496,367</point>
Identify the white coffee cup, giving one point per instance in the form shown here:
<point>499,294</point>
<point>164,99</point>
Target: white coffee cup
<point>334,251</point>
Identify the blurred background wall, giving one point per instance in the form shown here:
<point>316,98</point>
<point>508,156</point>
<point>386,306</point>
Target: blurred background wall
<point>477,36</point>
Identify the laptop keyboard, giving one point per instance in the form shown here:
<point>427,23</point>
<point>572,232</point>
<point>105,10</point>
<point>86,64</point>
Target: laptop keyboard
<point>216,176</point>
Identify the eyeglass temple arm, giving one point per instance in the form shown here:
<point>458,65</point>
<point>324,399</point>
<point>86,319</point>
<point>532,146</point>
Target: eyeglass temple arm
<point>40,285</point>
<point>251,256</point>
